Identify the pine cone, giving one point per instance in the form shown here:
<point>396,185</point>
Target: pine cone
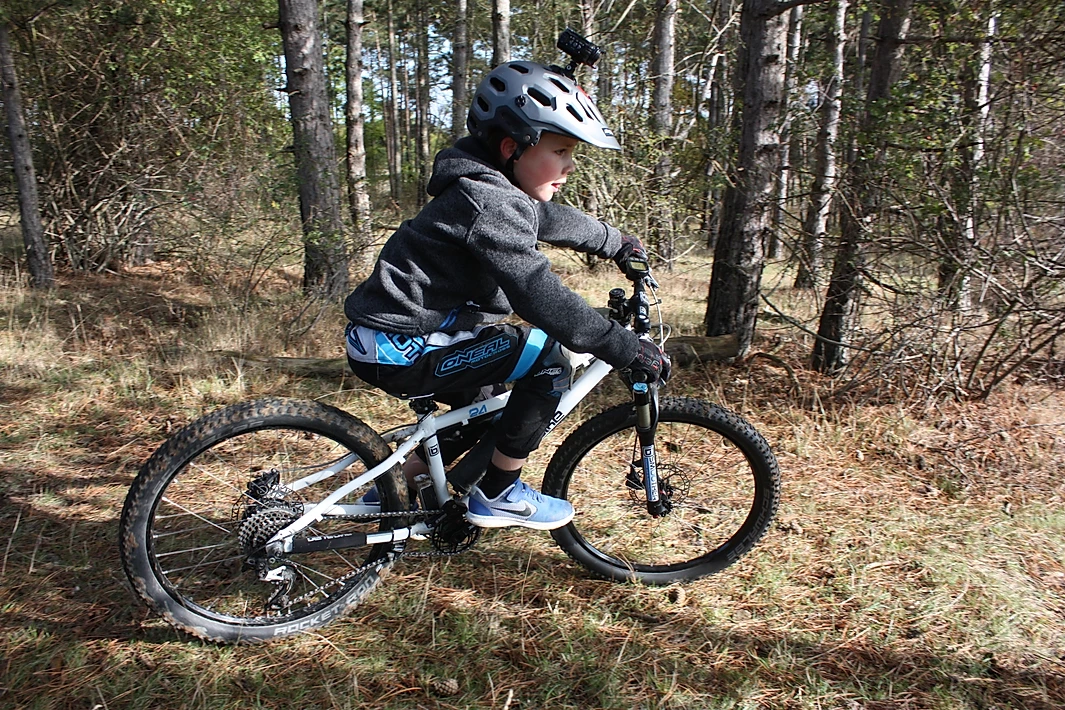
<point>444,686</point>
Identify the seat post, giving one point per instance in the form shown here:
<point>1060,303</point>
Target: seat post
<point>423,405</point>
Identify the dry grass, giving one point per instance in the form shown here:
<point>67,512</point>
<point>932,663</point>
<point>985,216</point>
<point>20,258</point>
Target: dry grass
<point>918,562</point>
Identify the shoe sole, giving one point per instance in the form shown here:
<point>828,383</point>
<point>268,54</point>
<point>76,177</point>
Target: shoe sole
<point>495,521</point>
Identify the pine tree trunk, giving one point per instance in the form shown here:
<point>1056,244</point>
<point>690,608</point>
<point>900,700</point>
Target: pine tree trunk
<point>325,272</point>
<point>662,68</point>
<point>39,261</point>
<point>746,218</point>
<point>815,225</point>
<point>460,60</point>
<point>422,105</point>
<point>716,118</point>
<point>358,190</point>
<point>500,32</point>
<point>590,199</point>
<point>842,309</point>
<point>392,130</point>
<point>408,95</point>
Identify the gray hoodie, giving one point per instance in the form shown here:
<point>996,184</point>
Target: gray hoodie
<point>470,258</point>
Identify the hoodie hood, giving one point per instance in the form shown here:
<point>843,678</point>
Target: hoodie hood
<point>467,158</point>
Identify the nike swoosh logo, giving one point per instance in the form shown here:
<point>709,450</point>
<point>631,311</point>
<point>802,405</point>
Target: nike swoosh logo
<point>523,509</point>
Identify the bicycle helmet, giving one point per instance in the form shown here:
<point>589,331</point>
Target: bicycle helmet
<point>523,99</point>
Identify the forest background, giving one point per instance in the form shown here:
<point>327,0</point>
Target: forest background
<point>868,196</point>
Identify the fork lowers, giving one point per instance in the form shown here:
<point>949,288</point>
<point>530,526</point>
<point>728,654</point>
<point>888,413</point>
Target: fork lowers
<point>646,400</point>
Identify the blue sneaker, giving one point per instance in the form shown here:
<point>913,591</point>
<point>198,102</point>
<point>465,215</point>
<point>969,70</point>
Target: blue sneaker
<point>371,497</point>
<point>518,506</point>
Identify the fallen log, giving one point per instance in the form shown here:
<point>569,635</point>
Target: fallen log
<point>687,350</point>
<point>684,350</point>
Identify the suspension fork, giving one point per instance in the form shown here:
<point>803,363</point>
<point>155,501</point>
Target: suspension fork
<point>646,399</point>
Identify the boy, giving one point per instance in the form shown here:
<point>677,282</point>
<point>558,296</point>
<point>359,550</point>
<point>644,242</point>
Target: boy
<point>427,321</point>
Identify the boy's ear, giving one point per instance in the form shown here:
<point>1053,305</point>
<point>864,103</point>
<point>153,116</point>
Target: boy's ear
<point>507,146</point>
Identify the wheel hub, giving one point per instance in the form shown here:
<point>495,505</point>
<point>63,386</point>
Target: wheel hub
<point>673,486</point>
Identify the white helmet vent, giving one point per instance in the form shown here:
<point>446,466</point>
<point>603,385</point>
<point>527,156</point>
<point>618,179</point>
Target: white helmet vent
<point>523,99</point>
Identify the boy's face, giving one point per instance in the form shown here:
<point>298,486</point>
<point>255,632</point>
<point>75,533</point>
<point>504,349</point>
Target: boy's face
<point>542,169</point>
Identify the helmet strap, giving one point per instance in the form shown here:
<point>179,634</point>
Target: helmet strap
<point>508,166</point>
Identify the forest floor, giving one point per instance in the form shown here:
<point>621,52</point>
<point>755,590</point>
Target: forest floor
<point>917,561</point>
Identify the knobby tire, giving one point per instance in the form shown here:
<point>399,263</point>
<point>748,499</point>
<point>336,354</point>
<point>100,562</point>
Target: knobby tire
<point>718,472</point>
<point>181,526</point>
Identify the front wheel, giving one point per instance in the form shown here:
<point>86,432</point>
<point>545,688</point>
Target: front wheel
<point>200,511</point>
<point>717,474</point>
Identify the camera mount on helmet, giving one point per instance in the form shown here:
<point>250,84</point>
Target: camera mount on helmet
<point>580,51</point>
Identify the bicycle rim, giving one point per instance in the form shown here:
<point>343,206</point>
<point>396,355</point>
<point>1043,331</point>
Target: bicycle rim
<point>206,521</point>
<point>717,474</point>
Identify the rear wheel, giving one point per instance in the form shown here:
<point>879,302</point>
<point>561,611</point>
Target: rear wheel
<point>717,474</point>
<point>200,510</point>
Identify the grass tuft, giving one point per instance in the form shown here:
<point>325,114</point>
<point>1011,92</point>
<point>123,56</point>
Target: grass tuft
<point>918,560</point>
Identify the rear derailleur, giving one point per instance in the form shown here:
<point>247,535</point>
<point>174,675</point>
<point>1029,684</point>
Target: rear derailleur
<point>262,512</point>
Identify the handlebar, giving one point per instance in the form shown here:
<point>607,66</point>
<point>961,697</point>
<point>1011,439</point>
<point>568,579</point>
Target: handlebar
<point>636,309</point>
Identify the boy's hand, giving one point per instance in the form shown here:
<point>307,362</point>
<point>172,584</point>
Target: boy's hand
<point>631,248</point>
<point>650,364</point>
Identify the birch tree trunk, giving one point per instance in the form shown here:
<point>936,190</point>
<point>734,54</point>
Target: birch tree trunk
<point>839,317</point>
<point>358,192</point>
<point>460,60</point>
<point>500,32</point>
<point>956,264</point>
<point>815,225</point>
<point>39,261</point>
<point>791,153</point>
<point>746,218</point>
<point>325,261</point>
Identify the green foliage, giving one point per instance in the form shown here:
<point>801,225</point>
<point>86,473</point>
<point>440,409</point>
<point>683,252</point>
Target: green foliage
<point>143,106</point>
<point>159,125</point>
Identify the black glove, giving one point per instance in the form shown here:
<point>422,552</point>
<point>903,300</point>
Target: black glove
<point>631,248</point>
<point>650,364</point>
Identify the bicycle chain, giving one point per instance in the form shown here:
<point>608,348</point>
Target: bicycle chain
<point>395,556</point>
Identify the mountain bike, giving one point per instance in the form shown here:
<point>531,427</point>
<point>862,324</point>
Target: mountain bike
<point>253,522</point>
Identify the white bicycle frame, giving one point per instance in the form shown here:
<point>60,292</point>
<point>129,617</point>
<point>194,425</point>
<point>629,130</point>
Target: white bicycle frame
<point>424,431</point>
